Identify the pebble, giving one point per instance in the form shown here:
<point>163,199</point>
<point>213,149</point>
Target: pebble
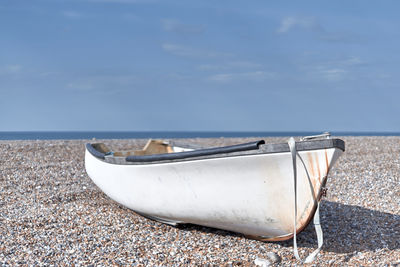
<point>51,213</point>
<point>273,257</point>
<point>262,262</point>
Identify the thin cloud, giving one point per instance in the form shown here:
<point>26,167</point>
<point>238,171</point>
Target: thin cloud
<point>81,86</point>
<point>102,84</point>
<point>259,75</point>
<point>328,72</point>
<point>343,63</point>
<point>229,66</point>
<point>179,50</point>
<point>340,69</point>
<point>290,23</point>
<point>72,14</point>
<point>49,73</point>
<point>184,51</point>
<point>226,77</point>
<point>353,61</point>
<point>11,69</point>
<point>173,25</point>
<point>333,74</point>
<point>255,76</point>
<point>178,76</point>
<point>343,37</point>
<point>311,24</point>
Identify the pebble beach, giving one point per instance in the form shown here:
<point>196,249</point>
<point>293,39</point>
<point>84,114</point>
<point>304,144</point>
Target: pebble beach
<point>51,213</point>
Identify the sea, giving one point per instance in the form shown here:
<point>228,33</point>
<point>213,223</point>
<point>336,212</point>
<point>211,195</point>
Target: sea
<point>67,135</point>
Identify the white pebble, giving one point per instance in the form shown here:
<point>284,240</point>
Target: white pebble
<point>262,262</point>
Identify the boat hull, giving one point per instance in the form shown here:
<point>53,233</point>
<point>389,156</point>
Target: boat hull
<point>249,194</point>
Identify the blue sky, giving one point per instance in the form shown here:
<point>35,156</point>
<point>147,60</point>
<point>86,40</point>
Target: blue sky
<point>140,65</point>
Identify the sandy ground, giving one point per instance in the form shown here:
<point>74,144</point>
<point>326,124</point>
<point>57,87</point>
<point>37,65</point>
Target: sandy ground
<point>52,214</point>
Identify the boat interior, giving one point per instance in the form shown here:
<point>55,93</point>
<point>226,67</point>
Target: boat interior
<point>156,150</point>
<point>152,147</point>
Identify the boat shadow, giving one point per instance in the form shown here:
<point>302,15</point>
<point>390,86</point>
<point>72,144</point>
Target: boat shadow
<point>347,228</point>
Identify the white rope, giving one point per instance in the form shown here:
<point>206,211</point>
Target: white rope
<point>318,229</point>
<point>320,237</point>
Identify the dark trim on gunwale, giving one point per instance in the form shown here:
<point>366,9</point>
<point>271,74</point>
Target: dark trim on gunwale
<point>197,153</point>
<point>253,148</point>
<point>91,148</point>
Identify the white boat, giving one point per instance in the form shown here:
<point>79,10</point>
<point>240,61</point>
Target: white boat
<point>246,188</point>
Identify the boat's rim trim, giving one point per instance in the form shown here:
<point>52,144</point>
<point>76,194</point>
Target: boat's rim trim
<point>247,149</point>
<point>94,151</point>
<point>197,153</point>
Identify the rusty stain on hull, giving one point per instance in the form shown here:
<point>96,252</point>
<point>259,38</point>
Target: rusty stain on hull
<point>314,166</point>
<point>319,171</point>
<point>317,179</point>
<point>327,162</point>
<point>311,165</point>
<point>313,178</point>
<point>317,176</point>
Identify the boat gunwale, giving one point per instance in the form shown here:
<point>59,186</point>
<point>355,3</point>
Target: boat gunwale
<point>170,157</point>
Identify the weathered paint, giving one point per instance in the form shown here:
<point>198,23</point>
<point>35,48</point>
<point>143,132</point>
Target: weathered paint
<point>319,171</point>
<point>226,193</point>
<point>326,161</point>
<point>311,165</point>
<point>317,175</point>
